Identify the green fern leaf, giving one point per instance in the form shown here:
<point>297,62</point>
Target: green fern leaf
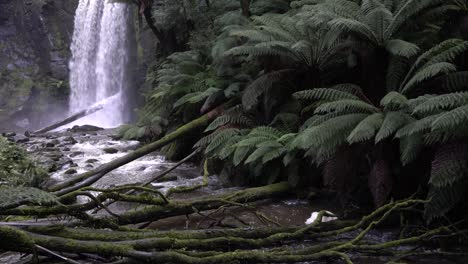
<point>442,102</point>
<point>392,123</point>
<point>410,147</point>
<point>240,154</point>
<point>451,120</point>
<point>12,197</point>
<point>346,105</point>
<point>366,129</point>
<point>394,101</point>
<point>325,94</point>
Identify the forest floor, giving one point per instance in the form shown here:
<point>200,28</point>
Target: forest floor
<point>69,153</point>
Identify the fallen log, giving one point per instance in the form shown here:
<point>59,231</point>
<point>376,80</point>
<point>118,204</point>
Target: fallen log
<point>154,212</point>
<point>71,118</point>
<point>224,246</point>
<point>88,178</point>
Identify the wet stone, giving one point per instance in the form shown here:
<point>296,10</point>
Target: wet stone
<point>20,139</point>
<point>52,143</point>
<point>85,128</point>
<point>70,140</point>
<point>110,150</point>
<point>76,154</point>
<point>91,161</point>
<point>71,171</point>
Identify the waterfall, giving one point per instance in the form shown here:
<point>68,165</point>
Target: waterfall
<point>103,51</point>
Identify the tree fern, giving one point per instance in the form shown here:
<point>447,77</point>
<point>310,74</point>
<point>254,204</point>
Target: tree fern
<point>442,102</point>
<point>393,121</point>
<point>410,148</point>
<point>325,94</point>
<point>394,101</point>
<point>451,120</point>
<point>347,105</point>
<point>366,129</point>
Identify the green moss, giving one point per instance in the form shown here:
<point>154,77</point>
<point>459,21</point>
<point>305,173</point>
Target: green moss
<point>16,168</point>
<point>14,239</point>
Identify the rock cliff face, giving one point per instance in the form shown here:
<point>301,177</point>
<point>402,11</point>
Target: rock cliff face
<point>35,37</point>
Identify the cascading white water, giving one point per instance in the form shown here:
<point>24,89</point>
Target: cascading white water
<point>102,58</point>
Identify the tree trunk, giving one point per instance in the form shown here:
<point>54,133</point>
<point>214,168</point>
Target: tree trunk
<point>245,6</point>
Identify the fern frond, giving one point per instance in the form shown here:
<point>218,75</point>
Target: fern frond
<point>392,123</point>
<point>427,73</point>
<point>451,120</point>
<point>326,94</point>
<point>12,197</point>
<point>449,164</point>
<point>394,101</point>
<point>329,130</point>
<point>441,102</point>
<point>220,139</point>
<point>410,147</point>
<point>366,129</point>
<point>347,105</point>
<point>444,199</point>
<point>401,48</point>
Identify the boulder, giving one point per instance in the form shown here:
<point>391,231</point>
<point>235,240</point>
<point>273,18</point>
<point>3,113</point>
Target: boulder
<point>85,128</point>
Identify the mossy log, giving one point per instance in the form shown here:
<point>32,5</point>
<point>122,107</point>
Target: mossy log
<point>163,209</point>
<point>226,246</point>
<point>88,178</point>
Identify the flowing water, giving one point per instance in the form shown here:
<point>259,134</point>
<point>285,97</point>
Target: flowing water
<point>103,52</point>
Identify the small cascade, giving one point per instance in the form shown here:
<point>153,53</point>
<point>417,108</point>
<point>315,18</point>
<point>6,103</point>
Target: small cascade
<point>103,52</point>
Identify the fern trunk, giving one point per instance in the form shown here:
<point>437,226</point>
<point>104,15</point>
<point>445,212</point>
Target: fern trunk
<point>374,73</point>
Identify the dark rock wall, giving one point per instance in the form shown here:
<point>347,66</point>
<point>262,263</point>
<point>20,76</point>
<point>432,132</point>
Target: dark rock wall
<point>35,37</point>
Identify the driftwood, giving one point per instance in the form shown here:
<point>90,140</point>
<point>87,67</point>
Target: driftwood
<point>71,119</point>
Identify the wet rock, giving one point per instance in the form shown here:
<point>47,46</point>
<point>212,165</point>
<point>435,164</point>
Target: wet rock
<point>89,166</point>
<point>71,171</point>
<point>52,168</point>
<point>73,165</point>
<point>167,178</point>
<point>70,140</point>
<point>142,168</point>
<point>76,154</point>
<point>8,134</point>
<point>91,161</point>
<point>20,139</point>
<point>85,128</point>
<point>66,149</point>
<point>55,156</point>
<point>52,143</point>
<point>49,149</point>
<point>110,150</point>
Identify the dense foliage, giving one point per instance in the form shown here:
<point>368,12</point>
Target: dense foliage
<point>16,168</point>
<point>348,95</point>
